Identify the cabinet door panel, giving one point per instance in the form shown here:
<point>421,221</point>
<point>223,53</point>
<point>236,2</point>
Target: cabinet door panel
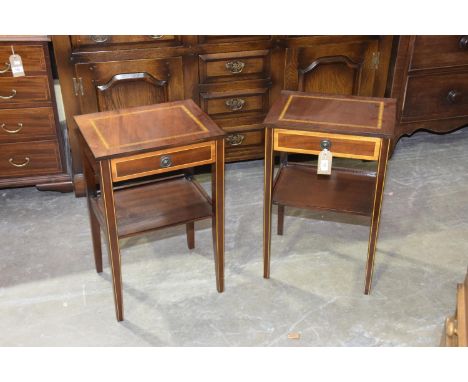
<point>346,68</point>
<point>121,84</point>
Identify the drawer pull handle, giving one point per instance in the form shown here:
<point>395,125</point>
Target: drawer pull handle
<point>165,161</point>
<point>20,127</point>
<point>26,162</point>
<point>235,104</point>
<point>235,66</point>
<point>13,93</point>
<point>157,36</point>
<point>454,96</point>
<point>463,43</point>
<point>325,144</point>
<point>99,38</point>
<point>6,68</point>
<point>235,139</point>
<point>451,327</point>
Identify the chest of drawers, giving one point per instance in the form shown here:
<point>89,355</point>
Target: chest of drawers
<point>430,81</point>
<point>31,145</point>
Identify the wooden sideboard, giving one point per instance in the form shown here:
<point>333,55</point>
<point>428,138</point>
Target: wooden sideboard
<point>430,81</point>
<point>31,143</point>
<point>234,79</point>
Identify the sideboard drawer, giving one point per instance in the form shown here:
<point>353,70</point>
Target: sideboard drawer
<point>345,146</point>
<point>24,89</point>
<point>246,101</point>
<point>439,51</point>
<point>35,158</point>
<point>438,95</point>
<point>26,124</point>
<point>98,40</point>
<point>162,161</point>
<point>234,66</point>
<point>246,138</point>
<point>32,57</point>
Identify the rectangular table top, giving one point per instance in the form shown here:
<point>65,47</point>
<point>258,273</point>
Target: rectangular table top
<point>146,128</point>
<point>333,113</point>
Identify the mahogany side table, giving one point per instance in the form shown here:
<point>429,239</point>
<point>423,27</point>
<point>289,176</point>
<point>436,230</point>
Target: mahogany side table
<point>122,146</point>
<point>350,127</point>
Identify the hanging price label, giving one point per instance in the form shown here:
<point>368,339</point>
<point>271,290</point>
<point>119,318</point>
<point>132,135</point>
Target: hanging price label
<point>324,162</point>
<point>16,64</point>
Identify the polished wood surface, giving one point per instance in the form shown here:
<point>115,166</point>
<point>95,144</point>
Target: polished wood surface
<point>31,142</point>
<point>146,128</point>
<point>366,116</point>
<point>360,132</point>
<point>345,190</point>
<point>212,70</point>
<point>120,146</point>
<point>430,81</point>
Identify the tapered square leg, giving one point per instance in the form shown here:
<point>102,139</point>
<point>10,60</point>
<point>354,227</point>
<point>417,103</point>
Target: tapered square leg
<point>217,182</point>
<point>268,189</point>
<point>112,236</point>
<point>190,229</point>
<point>375,219</point>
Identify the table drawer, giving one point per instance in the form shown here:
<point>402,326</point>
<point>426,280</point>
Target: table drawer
<point>32,57</point>
<point>100,40</point>
<point>30,123</point>
<point>162,161</point>
<point>439,51</point>
<point>234,66</point>
<point>344,146</point>
<point>24,89</point>
<point>28,159</point>
<point>436,96</point>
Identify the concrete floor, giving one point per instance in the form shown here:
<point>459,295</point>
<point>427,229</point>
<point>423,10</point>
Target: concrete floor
<point>50,294</point>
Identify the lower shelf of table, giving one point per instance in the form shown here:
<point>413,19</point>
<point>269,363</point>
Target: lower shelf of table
<point>345,190</point>
<point>156,205</point>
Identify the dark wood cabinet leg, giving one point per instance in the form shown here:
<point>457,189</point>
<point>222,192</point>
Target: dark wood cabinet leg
<point>268,188</point>
<point>112,236</point>
<point>218,213</point>
<point>190,228</point>
<point>280,219</point>
<point>374,228</point>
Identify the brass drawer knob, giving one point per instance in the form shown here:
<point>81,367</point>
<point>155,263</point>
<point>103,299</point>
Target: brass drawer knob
<point>20,127</point>
<point>235,139</point>
<point>463,43</point>
<point>99,38</point>
<point>13,93</point>
<point>451,326</point>
<point>6,68</point>
<point>325,144</point>
<point>25,163</point>
<point>165,161</point>
<point>454,96</point>
<point>235,104</point>
<point>235,66</point>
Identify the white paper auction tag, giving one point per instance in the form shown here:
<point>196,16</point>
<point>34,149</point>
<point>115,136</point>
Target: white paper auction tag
<point>16,64</point>
<point>324,162</point>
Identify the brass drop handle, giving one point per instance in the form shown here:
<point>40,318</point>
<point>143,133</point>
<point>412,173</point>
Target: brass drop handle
<point>157,36</point>
<point>235,66</point>
<point>99,38</point>
<point>454,96</point>
<point>463,43</point>
<point>26,162</point>
<point>6,68</point>
<point>451,327</point>
<point>13,93</point>
<point>165,161</point>
<point>20,127</point>
<point>235,103</point>
<point>235,139</point>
